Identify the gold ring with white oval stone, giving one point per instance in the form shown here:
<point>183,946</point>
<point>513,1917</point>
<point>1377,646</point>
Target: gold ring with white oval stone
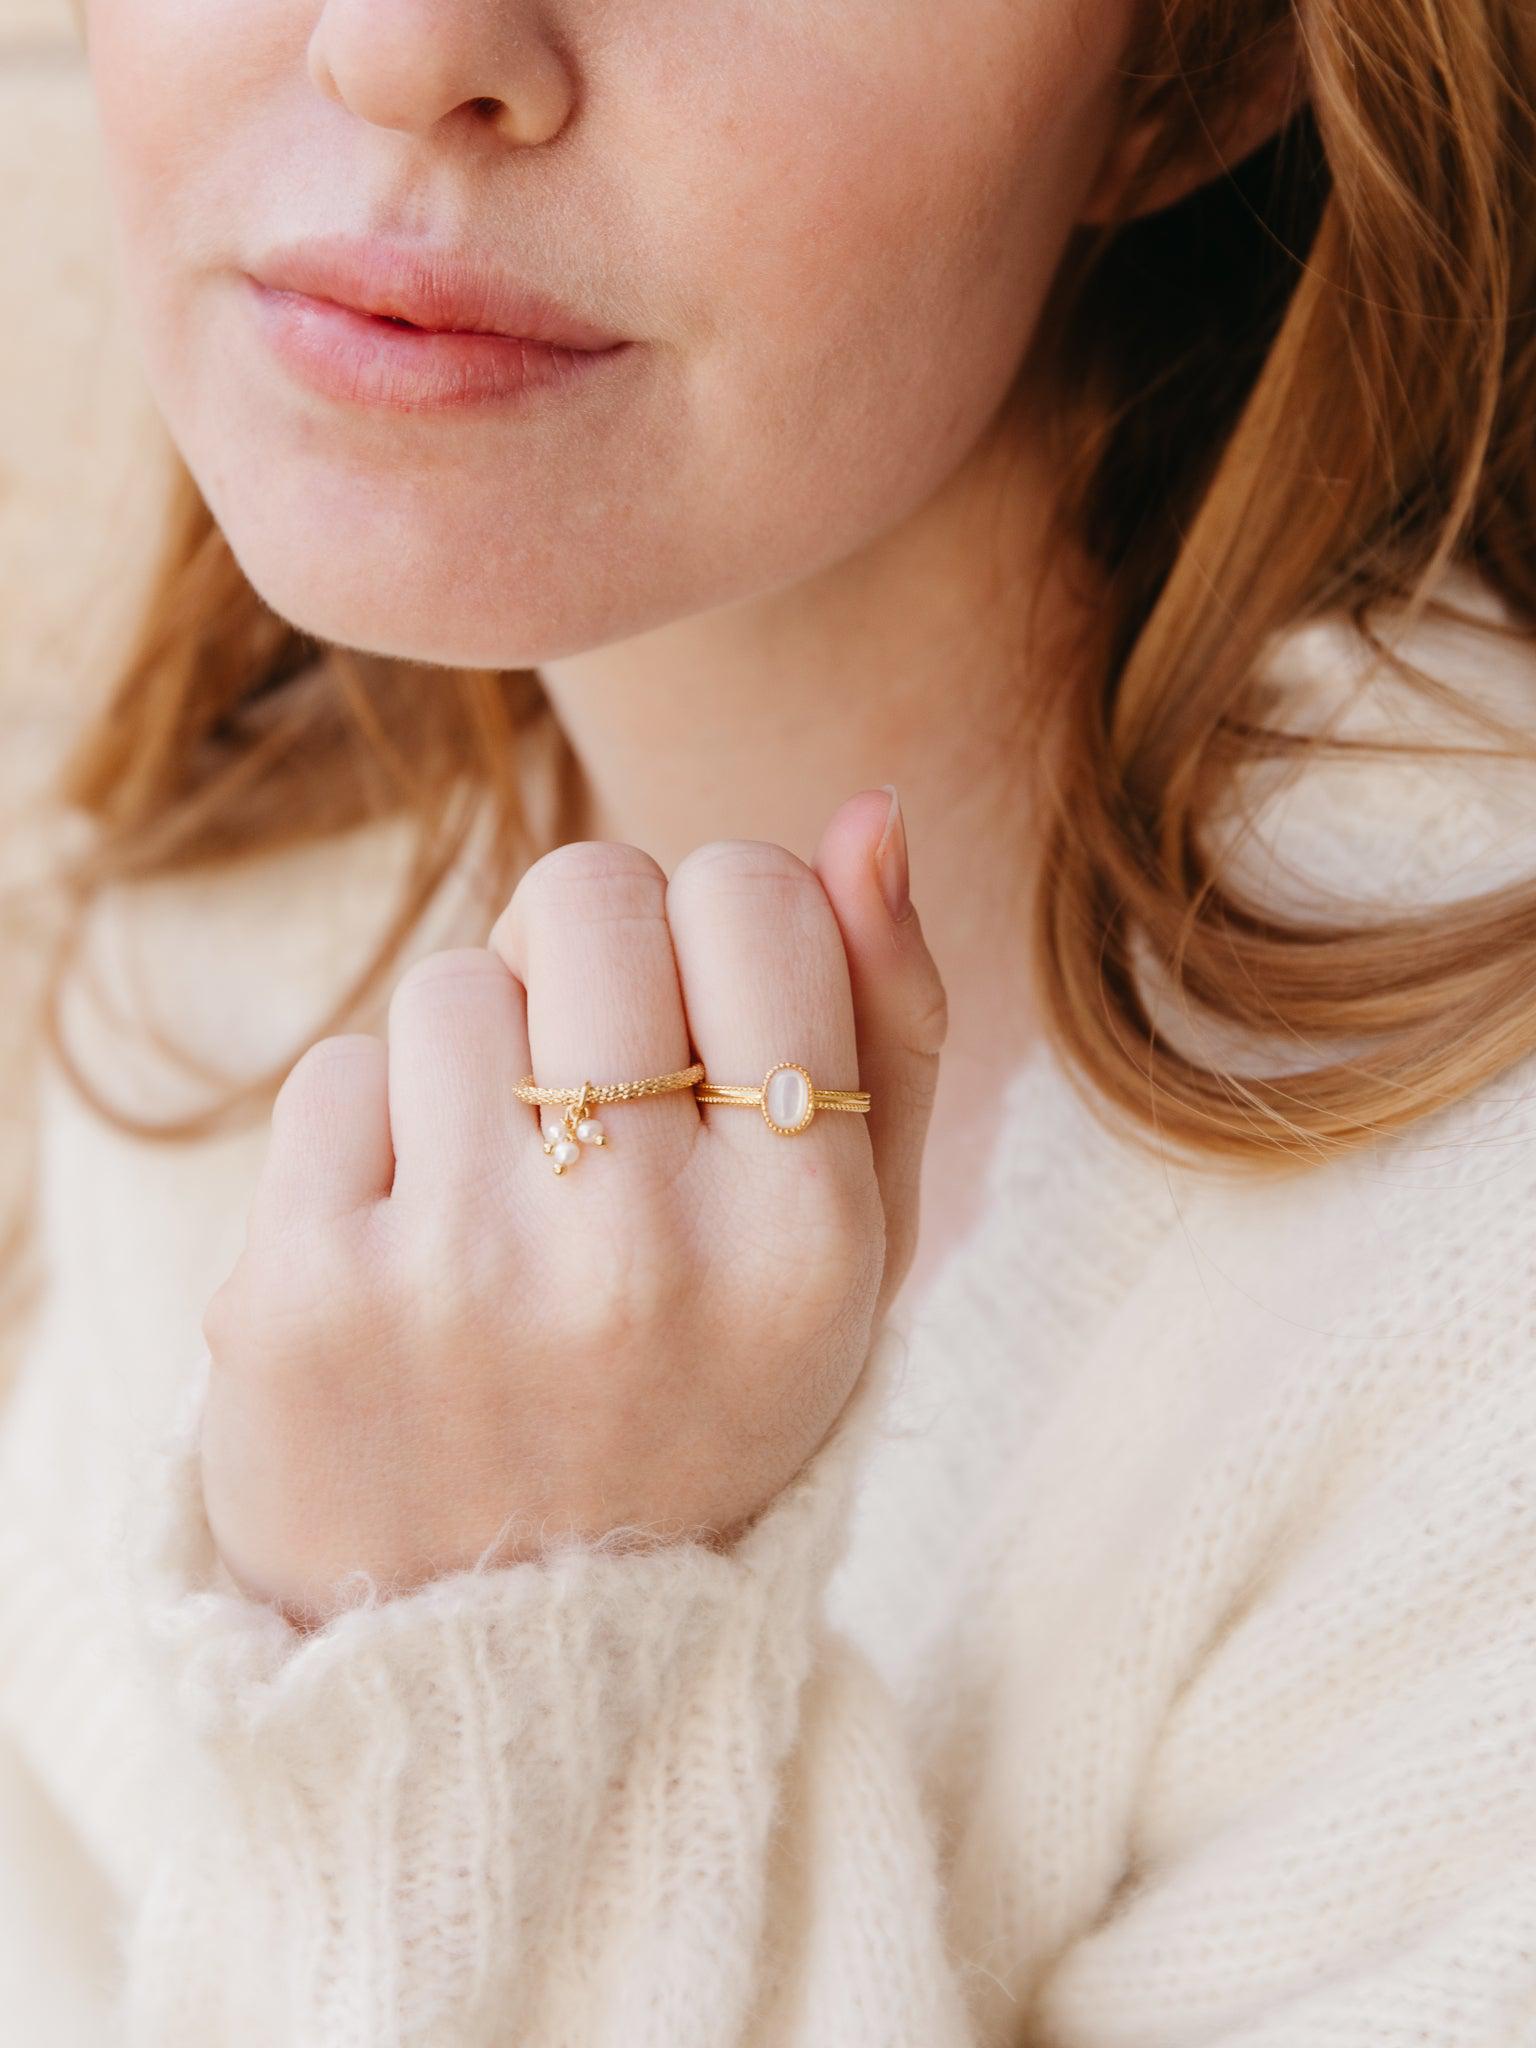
<point>565,1138</point>
<point>787,1097</point>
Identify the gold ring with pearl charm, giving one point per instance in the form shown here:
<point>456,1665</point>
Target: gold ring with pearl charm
<point>786,1096</point>
<point>564,1137</point>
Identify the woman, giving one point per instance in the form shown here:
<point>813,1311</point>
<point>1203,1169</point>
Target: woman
<point>1039,1545</point>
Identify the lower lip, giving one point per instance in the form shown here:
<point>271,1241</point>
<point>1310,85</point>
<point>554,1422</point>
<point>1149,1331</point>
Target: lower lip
<point>362,359</point>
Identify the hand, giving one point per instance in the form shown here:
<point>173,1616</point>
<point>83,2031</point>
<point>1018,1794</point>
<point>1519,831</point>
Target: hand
<point>431,1343</point>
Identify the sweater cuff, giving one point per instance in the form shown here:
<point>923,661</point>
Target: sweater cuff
<point>406,1815</point>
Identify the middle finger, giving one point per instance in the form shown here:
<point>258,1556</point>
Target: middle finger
<point>586,933</point>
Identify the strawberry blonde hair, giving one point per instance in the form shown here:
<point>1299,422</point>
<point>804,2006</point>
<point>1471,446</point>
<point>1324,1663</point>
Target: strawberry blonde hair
<point>1310,384</point>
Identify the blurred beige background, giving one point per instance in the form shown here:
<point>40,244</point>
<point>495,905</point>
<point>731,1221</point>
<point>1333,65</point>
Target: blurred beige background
<point>78,442</point>
<point>80,452</point>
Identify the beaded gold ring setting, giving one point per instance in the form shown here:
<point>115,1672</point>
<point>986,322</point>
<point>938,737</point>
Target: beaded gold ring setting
<point>787,1098</point>
<point>564,1137</point>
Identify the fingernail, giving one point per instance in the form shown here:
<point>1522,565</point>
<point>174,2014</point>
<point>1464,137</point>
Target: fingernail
<point>891,860</point>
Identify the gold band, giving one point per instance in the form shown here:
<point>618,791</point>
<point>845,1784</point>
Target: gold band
<point>787,1106</point>
<point>564,1140</point>
<point>610,1091</point>
<point>786,1096</point>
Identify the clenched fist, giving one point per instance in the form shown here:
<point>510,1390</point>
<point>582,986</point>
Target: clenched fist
<point>434,1352</point>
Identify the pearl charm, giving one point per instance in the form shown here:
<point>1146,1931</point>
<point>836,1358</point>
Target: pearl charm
<point>564,1139</point>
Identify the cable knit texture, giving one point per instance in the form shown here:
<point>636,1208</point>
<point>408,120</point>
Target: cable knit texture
<point>1148,1661</point>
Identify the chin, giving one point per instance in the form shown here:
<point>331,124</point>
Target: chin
<point>375,609</point>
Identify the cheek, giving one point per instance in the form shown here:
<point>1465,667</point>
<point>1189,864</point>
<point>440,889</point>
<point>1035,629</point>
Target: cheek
<point>162,77</point>
<point>882,214</point>
<point>175,83</point>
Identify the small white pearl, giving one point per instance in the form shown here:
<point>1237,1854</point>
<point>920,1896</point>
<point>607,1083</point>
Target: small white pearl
<point>589,1130</point>
<point>553,1133</point>
<point>565,1153</point>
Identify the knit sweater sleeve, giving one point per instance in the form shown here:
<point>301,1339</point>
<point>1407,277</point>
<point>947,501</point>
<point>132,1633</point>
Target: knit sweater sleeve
<point>639,1798</point>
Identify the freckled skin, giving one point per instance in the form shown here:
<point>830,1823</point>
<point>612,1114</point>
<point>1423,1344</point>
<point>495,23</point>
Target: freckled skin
<point>829,226</point>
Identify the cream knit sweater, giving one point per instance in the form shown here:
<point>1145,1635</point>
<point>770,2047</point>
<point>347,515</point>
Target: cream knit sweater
<point>1150,1662</point>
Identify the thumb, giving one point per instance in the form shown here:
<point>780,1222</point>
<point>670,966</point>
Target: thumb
<point>900,1008</point>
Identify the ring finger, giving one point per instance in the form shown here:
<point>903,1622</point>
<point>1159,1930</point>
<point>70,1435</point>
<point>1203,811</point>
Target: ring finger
<point>765,980</point>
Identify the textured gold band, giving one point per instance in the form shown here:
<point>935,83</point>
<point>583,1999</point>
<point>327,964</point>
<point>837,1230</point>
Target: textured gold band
<point>563,1140</point>
<point>752,1098</point>
<point>610,1091</point>
<point>786,1096</point>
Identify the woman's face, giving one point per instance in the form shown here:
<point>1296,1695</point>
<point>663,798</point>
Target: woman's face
<point>824,226</point>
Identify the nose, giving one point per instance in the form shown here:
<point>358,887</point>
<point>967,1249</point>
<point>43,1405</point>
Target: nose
<point>409,64</point>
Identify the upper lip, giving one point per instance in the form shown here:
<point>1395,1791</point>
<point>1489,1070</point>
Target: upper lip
<point>430,285</point>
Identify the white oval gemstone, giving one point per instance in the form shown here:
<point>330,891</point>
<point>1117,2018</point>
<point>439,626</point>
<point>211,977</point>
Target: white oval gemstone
<point>786,1098</point>
<point>589,1130</point>
<point>565,1153</point>
<point>553,1133</point>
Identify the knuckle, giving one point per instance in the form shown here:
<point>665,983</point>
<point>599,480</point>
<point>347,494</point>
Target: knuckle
<point>745,867</point>
<point>848,1229</point>
<point>593,880</point>
<point>452,1257</point>
<point>447,969</point>
<point>928,1027</point>
<point>632,1294</point>
<point>291,1298</point>
<point>851,1207</point>
<point>813,1243</point>
<point>325,1273</point>
<point>317,1067</point>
